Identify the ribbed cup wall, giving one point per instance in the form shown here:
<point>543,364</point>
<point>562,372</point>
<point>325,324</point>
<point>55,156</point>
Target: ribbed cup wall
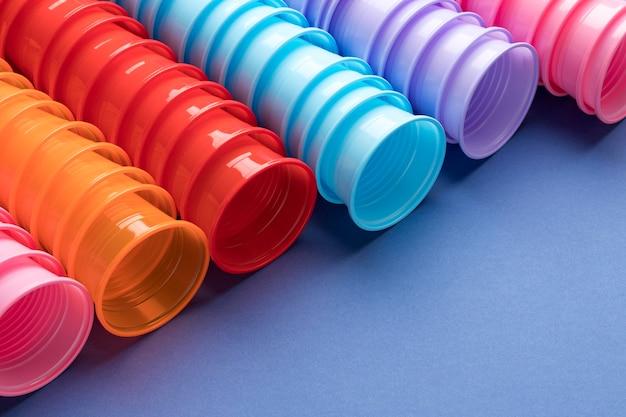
<point>366,147</point>
<point>107,222</point>
<point>474,80</point>
<point>45,317</point>
<point>581,45</point>
<point>226,174</point>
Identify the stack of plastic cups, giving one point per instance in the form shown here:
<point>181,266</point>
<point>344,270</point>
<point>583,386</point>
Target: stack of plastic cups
<point>581,45</point>
<point>107,222</point>
<point>226,174</point>
<point>473,79</point>
<point>366,147</point>
<point>45,318</point>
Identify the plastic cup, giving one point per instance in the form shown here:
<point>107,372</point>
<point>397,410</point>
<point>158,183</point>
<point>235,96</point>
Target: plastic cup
<point>113,228</point>
<point>472,79</point>
<point>590,58</point>
<point>382,168</point>
<point>299,74</point>
<point>329,87</point>
<point>251,25</point>
<point>349,161</point>
<point>45,318</point>
<point>151,119</point>
<point>477,83</point>
<point>581,45</point>
<point>313,10</point>
<point>319,13</point>
<point>519,19</point>
<point>489,9</point>
<point>255,47</point>
<point>269,49</point>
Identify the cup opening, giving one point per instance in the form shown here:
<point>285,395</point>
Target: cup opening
<point>613,94</point>
<point>398,175</point>
<point>264,217</point>
<point>154,281</point>
<point>40,335</point>
<point>500,102</point>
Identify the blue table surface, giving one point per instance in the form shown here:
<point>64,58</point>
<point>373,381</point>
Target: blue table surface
<point>503,295</point>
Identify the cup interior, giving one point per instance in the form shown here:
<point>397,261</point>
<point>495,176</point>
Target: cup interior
<point>613,93</point>
<point>398,175</point>
<point>500,102</point>
<point>264,217</point>
<point>41,334</point>
<point>154,281</point>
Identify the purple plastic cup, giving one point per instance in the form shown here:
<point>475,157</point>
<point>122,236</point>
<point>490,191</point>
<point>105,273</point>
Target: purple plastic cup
<point>474,80</point>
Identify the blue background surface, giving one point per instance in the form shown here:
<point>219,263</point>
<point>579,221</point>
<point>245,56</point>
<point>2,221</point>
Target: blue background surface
<point>503,295</point>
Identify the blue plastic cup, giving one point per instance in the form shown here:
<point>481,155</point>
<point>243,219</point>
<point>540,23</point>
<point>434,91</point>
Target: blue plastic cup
<point>296,82</point>
<point>313,109</point>
<point>370,153</point>
<point>254,46</point>
<point>175,17</point>
<point>477,82</point>
<point>367,148</point>
<point>399,163</point>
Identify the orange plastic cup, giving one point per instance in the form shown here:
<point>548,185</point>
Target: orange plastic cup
<point>110,225</point>
<point>226,174</point>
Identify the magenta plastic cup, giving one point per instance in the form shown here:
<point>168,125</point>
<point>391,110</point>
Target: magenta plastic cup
<point>474,80</point>
<point>45,318</point>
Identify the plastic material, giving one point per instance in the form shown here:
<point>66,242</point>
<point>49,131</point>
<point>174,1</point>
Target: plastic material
<point>107,222</point>
<point>226,174</point>
<point>45,317</point>
<point>366,147</point>
<point>474,80</point>
<point>581,45</point>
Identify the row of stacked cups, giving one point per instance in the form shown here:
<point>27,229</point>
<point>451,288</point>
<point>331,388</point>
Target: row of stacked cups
<point>362,102</point>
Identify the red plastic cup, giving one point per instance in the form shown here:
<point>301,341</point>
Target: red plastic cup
<point>226,174</point>
<point>108,223</point>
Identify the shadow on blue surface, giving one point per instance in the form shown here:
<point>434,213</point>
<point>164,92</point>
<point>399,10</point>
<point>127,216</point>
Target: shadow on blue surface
<point>579,131</point>
<point>499,296</point>
<point>103,347</point>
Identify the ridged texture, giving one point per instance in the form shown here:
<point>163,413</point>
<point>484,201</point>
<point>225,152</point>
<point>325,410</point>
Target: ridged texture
<point>107,222</point>
<point>368,151</point>
<point>474,80</point>
<point>45,318</point>
<point>581,46</point>
<point>226,174</point>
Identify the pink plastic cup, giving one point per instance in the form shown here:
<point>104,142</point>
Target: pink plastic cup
<point>45,318</point>
<point>581,45</point>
